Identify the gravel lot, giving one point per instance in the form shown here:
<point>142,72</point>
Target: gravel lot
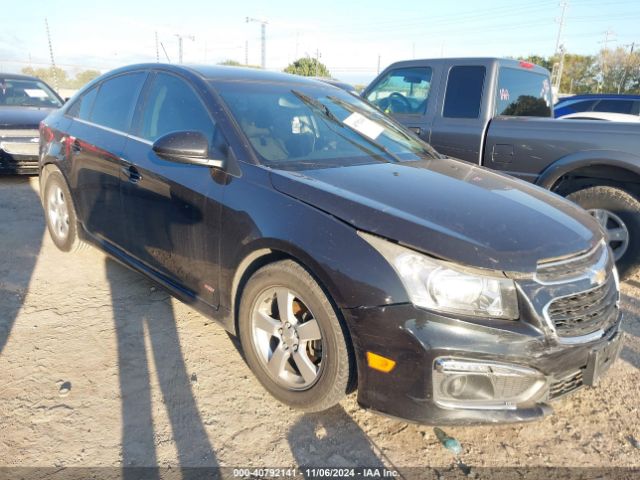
<point>98,367</point>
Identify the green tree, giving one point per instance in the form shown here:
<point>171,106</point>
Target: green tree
<point>57,77</point>
<point>579,74</point>
<point>619,71</point>
<point>308,67</point>
<point>235,63</point>
<point>83,77</point>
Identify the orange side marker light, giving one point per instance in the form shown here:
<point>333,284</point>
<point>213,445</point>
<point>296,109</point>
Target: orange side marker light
<point>378,362</point>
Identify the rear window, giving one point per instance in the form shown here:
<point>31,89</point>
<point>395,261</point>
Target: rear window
<point>522,93</point>
<point>115,100</point>
<point>583,106</point>
<point>464,92</point>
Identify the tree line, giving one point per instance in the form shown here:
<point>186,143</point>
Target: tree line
<point>58,77</point>
<point>610,71</point>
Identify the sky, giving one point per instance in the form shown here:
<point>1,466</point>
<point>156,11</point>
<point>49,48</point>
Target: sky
<point>350,37</point>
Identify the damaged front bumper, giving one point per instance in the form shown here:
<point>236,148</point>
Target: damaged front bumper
<point>462,371</point>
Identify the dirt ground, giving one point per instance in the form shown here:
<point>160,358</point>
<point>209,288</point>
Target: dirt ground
<point>98,367</point>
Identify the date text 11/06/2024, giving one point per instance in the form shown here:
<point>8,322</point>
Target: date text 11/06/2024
<point>315,472</point>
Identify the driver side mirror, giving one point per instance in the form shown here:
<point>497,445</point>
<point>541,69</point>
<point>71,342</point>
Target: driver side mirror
<point>186,147</point>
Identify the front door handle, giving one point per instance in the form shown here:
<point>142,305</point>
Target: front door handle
<point>132,173</point>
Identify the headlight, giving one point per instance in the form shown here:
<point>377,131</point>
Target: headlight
<point>446,287</point>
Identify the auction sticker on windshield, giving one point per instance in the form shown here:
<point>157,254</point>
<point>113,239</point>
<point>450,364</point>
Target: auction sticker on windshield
<point>363,125</point>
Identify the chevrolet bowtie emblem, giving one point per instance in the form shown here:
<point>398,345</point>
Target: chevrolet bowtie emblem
<point>598,276</point>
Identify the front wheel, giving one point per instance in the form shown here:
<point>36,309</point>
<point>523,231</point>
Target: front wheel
<point>618,213</point>
<point>292,338</point>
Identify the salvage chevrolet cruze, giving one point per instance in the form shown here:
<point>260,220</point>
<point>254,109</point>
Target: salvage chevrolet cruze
<point>344,252</point>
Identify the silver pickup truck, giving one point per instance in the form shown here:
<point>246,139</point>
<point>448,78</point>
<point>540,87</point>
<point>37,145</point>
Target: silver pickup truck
<point>498,113</point>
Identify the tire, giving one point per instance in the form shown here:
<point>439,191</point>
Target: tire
<point>60,213</point>
<point>273,343</point>
<point>620,210</point>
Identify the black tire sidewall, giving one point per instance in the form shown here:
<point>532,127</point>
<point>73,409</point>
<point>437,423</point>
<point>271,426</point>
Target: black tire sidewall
<point>332,383</point>
<point>625,206</point>
<point>54,179</point>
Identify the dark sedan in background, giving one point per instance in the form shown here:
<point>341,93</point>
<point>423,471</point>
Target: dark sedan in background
<point>343,251</point>
<point>24,102</point>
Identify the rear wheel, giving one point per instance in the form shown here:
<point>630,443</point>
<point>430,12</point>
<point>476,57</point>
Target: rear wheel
<point>618,213</point>
<point>292,338</point>
<point>60,213</point>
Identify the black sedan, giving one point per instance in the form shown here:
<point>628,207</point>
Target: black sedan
<point>343,251</point>
<point>24,102</point>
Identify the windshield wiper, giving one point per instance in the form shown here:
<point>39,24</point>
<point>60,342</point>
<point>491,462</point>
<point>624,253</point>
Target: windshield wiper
<point>315,104</point>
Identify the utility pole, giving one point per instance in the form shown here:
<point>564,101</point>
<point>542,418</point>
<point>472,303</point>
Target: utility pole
<point>560,22</point>
<point>623,82</point>
<point>558,77</point>
<point>53,62</point>
<point>157,49</point>
<point>263,38</point>
<point>606,41</point>
<point>378,63</point>
<point>317,60</point>
<point>180,37</point>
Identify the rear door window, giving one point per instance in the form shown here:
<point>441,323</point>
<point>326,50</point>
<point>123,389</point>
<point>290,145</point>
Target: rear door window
<point>464,91</point>
<point>115,100</point>
<point>614,106</point>
<point>583,106</point>
<point>81,108</point>
<point>402,91</point>
<point>523,93</point>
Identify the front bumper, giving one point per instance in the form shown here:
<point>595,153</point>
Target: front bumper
<point>19,155</point>
<point>414,338</point>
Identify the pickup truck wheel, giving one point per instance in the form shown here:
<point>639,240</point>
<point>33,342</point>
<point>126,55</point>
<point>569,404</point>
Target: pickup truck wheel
<point>292,338</point>
<point>618,212</point>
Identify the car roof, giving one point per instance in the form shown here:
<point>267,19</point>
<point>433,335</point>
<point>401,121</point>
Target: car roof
<point>599,96</point>
<point>18,76</point>
<point>472,61</point>
<point>220,73</point>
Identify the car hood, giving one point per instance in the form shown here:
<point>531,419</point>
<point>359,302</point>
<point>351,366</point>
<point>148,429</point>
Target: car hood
<point>449,209</point>
<point>22,117</point>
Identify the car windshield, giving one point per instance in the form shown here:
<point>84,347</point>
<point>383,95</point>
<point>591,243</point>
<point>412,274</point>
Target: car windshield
<point>26,93</point>
<point>300,126</point>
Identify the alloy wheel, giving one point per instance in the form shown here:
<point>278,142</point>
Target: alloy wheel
<point>287,338</point>
<point>615,230</point>
<point>58,213</point>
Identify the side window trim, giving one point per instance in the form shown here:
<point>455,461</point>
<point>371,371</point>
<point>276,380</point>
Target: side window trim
<point>131,108</point>
<point>96,87</point>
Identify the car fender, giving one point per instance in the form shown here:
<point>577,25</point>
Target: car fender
<point>588,158</point>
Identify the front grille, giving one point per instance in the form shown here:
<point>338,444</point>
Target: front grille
<point>585,312</point>
<point>566,385</point>
<point>565,270</point>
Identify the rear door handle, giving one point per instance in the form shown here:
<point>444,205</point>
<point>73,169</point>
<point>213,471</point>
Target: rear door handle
<point>132,173</point>
<point>76,146</point>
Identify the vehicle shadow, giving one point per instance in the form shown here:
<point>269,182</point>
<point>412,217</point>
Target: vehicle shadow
<point>144,316</point>
<point>331,439</point>
<point>631,327</point>
<point>21,230</point>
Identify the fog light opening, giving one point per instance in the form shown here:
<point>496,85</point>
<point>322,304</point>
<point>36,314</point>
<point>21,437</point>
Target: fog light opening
<point>484,385</point>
